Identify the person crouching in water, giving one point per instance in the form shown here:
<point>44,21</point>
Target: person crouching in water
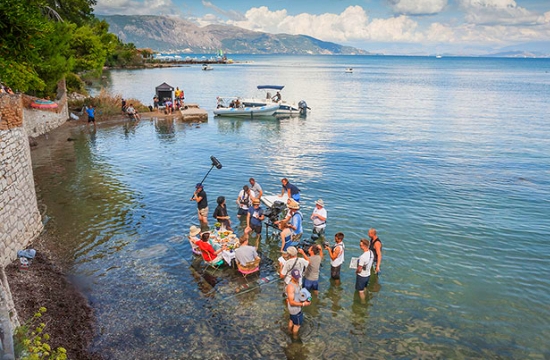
<point>220,213</point>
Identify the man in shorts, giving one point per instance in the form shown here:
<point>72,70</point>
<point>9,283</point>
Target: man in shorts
<point>202,205</point>
<point>311,275</point>
<point>256,189</point>
<point>91,114</point>
<point>294,305</point>
<point>364,265</point>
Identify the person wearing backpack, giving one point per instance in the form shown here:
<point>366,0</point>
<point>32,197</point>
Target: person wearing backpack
<point>295,221</point>
<point>364,265</point>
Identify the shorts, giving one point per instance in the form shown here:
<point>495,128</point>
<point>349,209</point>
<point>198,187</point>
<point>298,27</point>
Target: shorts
<point>256,228</point>
<point>361,282</point>
<point>91,119</point>
<point>297,319</point>
<point>335,272</point>
<point>296,197</point>
<point>311,284</point>
<point>289,244</point>
<point>242,211</point>
<point>203,212</point>
<point>319,231</point>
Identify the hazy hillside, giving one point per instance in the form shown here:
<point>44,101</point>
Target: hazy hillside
<point>173,34</point>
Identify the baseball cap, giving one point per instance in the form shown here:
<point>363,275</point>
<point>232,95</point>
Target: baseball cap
<point>198,186</point>
<point>295,273</point>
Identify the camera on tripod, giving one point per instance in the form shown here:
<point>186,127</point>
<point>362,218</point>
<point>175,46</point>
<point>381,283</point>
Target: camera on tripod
<point>273,212</point>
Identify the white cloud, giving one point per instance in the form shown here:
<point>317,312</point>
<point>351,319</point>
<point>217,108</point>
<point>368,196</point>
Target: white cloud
<point>493,12</point>
<point>230,14</point>
<point>352,24</point>
<point>134,7</point>
<point>417,7</point>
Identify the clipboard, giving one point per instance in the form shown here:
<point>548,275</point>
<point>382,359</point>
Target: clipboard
<point>353,263</point>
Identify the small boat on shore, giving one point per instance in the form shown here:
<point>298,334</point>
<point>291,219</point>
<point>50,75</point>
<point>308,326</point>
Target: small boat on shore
<point>207,67</point>
<point>349,70</point>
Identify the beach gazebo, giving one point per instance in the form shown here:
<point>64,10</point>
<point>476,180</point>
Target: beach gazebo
<point>164,92</point>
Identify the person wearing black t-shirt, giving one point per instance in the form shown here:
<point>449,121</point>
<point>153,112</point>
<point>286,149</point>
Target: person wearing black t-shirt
<point>202,205</point>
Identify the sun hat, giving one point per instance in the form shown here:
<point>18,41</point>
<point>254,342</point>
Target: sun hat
<point>292,251</point>
<point>295,273</point>
<point>256,201</point>
<point>293,204</point>
<point>320,202</point>
<point>194,230</point>
<point>198,186</point>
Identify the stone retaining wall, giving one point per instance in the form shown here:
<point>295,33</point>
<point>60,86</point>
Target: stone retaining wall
<point>20,219</point>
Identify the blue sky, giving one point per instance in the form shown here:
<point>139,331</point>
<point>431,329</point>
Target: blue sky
<point>387,26</point>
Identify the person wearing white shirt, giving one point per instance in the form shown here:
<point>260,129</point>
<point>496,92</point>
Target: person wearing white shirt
<point>319,217</point>
<point>364,265</point>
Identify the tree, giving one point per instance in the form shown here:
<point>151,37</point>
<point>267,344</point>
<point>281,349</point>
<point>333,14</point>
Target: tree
<point>22,28</point>
<point>78,12</point>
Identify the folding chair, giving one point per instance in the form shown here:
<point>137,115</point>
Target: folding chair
<point>194,247</point>
<point>216,263</point>
<point>249,268</point>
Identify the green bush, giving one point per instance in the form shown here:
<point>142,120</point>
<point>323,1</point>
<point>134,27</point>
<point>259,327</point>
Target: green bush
<point>30,341</point>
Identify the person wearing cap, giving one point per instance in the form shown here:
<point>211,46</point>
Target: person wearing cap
<point>244,201</point>
<point>202,205</point>
<point>256,189</point>
<point>364,265</point>
<point>254,218</point>
<point>220,213</point>
<point>293,263</point>
<point>291,190</point>
<point>319,217</point>
<point>294,304</point>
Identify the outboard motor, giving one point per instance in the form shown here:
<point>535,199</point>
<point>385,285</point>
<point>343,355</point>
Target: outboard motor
<point>303,107</point>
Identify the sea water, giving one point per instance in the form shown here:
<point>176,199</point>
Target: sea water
<point>447,158</point>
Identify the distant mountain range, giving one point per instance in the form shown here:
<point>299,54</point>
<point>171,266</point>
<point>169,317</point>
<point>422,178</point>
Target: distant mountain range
<point>171,34</point>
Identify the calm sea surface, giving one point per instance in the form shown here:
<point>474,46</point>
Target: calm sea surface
<point>449,159</point>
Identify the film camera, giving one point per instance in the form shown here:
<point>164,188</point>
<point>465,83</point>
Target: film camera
<point>273,212</point>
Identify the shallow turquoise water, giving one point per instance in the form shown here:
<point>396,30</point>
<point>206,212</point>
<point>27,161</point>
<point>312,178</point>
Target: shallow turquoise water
<point>447,158</point>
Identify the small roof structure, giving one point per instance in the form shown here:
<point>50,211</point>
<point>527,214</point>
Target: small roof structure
<point>164,91</point>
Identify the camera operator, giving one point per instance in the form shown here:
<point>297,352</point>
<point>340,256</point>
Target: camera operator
<point>311,275</point>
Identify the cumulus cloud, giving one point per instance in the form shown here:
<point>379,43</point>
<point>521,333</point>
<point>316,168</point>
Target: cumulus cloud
<point>134,7</point>
<point>417,7</point>
<point>351,24</point>
<point>495,12</point>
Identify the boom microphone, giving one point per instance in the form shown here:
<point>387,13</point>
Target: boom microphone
<point>216,162</point>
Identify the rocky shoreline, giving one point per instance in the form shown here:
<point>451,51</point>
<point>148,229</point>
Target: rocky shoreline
<point>69,318</point>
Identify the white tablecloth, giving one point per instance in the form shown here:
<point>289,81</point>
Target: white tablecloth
<point>228,255</point>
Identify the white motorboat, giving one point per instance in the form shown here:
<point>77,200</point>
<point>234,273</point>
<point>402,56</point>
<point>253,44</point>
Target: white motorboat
<point>207,67</point>
<point>285,108</point>
<point>268,200</point>
<point>349,70</point>
<point>233,106</point>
